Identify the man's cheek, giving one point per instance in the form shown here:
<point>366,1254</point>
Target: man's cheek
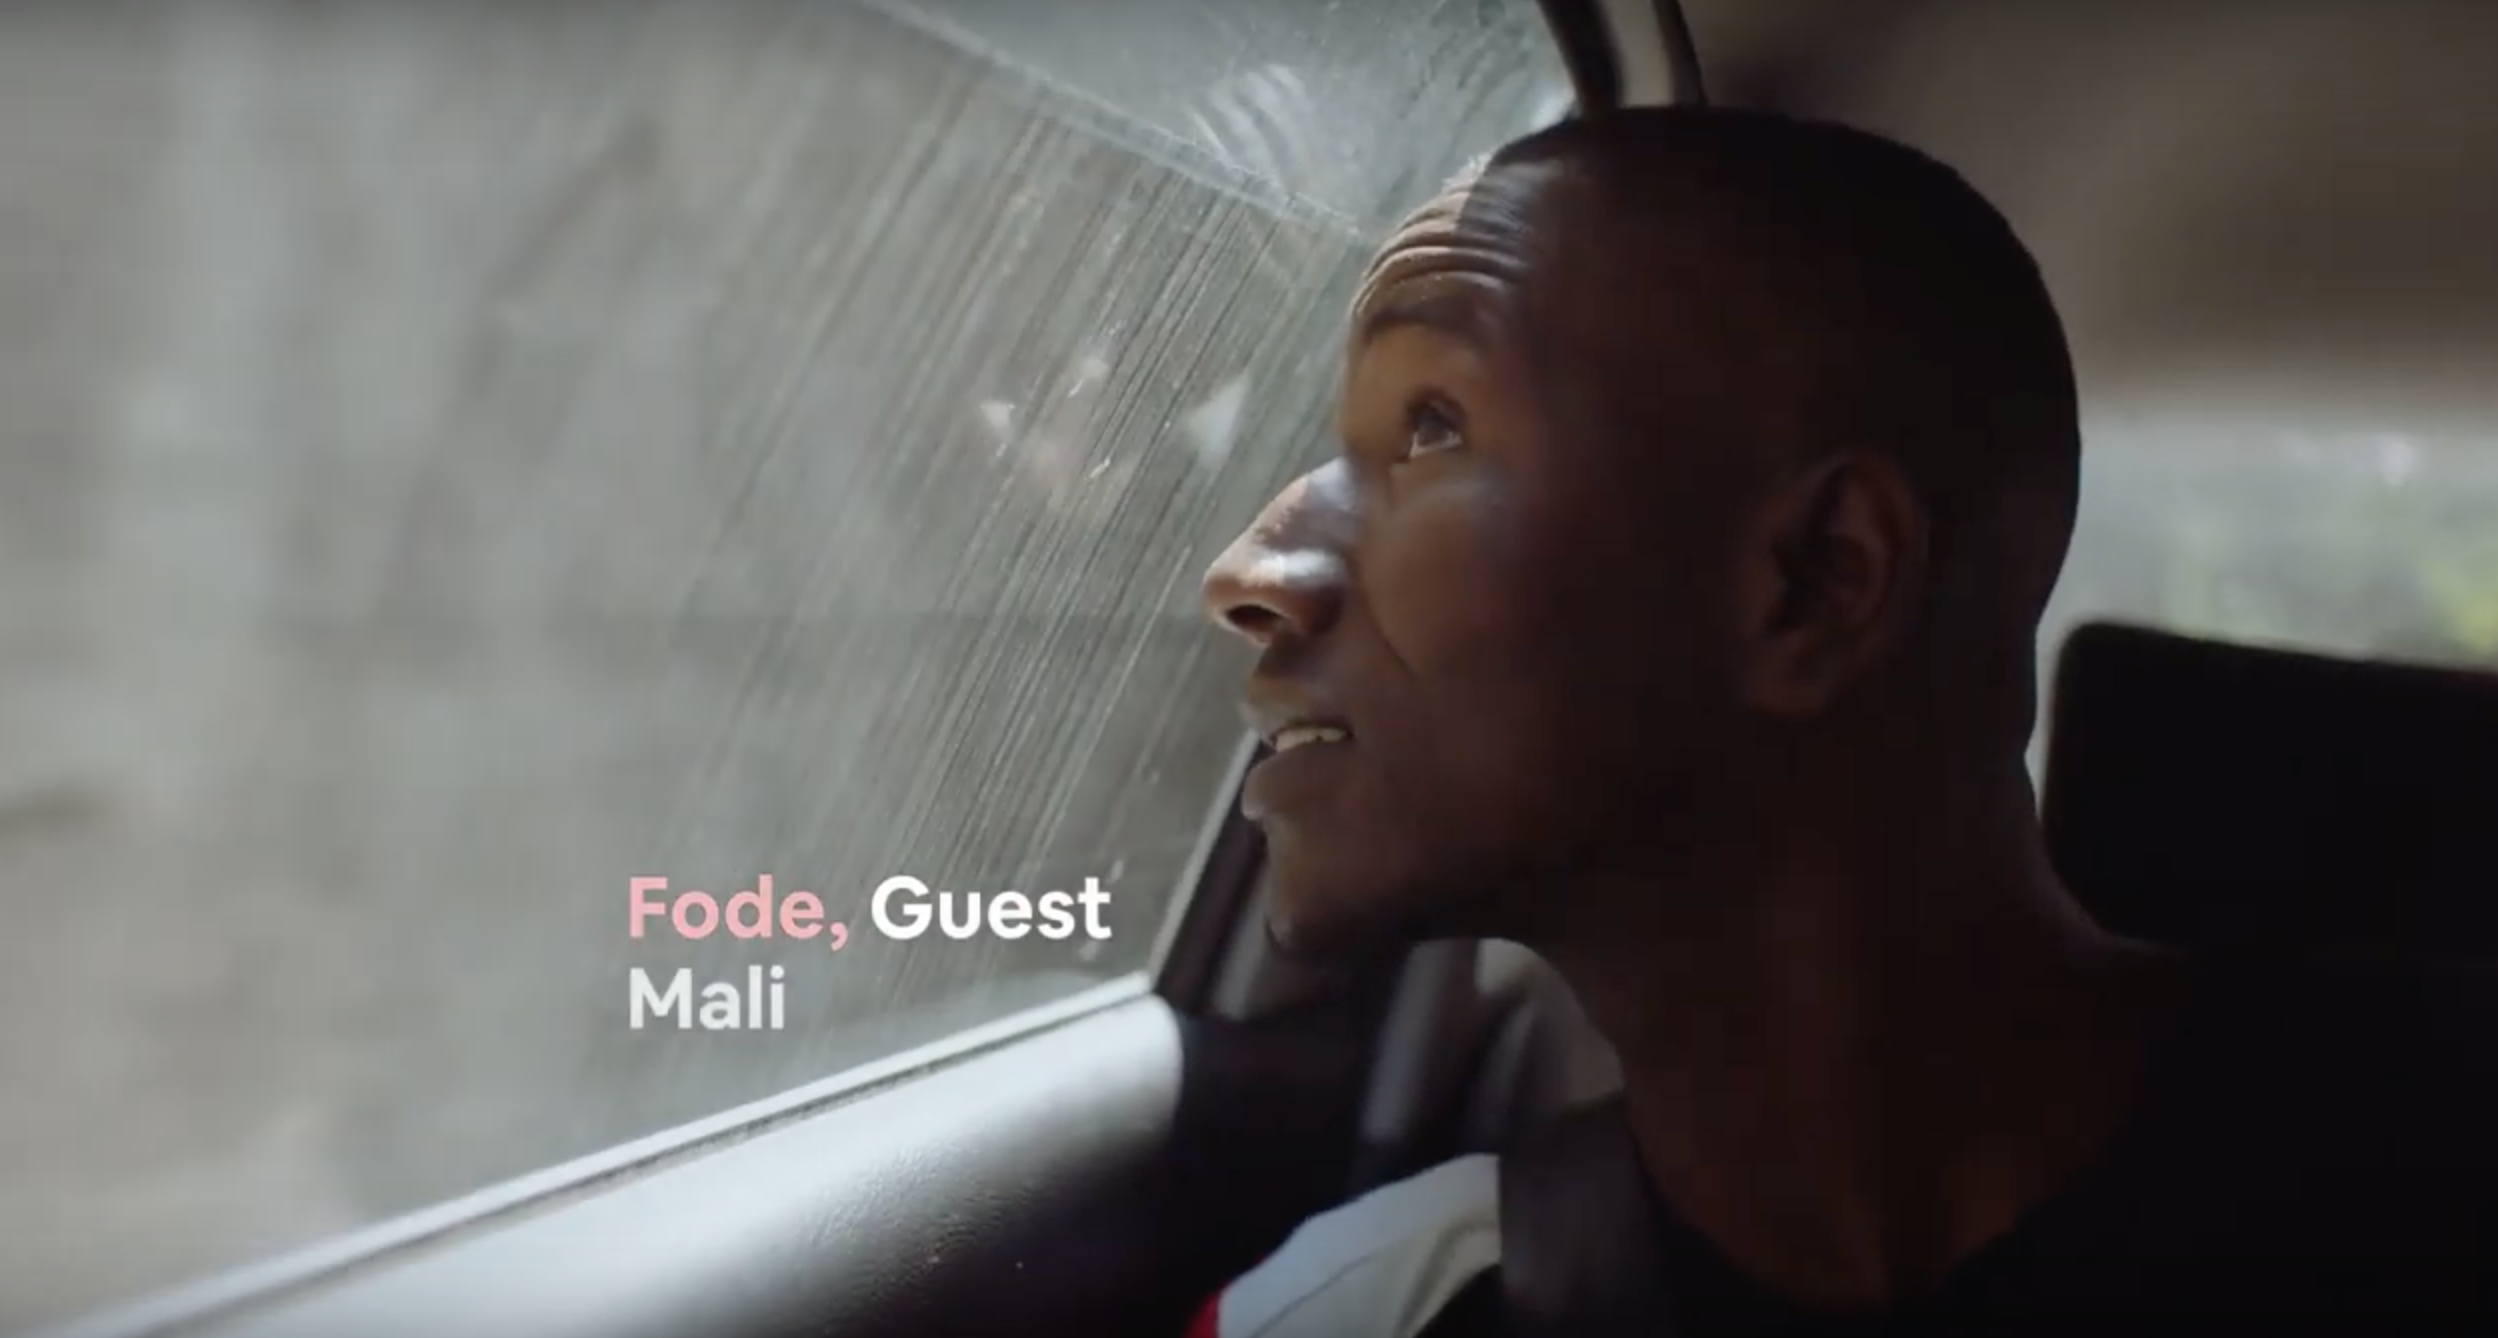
<point>1456,587</point>
<point>1501,744</point>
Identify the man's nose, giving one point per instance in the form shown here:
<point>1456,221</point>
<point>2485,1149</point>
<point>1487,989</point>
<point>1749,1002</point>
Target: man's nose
<point>1285,575</point>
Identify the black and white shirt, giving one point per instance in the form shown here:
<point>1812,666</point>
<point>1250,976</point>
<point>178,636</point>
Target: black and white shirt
<point>2317,1152</point>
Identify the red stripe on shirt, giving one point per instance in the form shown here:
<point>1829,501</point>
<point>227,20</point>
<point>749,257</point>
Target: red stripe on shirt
<point>1208,1321</point>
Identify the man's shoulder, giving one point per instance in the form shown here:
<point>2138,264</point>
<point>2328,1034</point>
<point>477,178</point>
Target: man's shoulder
<point>1393,1263</point>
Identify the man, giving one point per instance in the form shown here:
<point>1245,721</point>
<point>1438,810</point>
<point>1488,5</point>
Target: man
<point>1671,609</point>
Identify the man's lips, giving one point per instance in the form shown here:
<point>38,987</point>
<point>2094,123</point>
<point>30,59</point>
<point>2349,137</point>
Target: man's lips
<point>1301,738</point>
<point>1306,735</point>
<point>1298,779</point>
<point>1285,723</point>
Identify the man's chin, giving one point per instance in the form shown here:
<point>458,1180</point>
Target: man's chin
<point>1345,920</point>
<point>1321,941</point>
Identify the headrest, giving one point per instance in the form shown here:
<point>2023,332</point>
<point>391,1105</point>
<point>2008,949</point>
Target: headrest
<point>2221,796</point>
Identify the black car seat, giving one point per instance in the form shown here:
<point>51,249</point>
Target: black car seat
<point>2196,792</point>
<point>2228,796</point>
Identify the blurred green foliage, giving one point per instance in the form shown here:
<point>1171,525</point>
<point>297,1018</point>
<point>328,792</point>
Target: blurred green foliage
<point>2366,552</point>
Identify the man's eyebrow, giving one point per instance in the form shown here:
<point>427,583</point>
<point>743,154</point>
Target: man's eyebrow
<point>1461,313</point>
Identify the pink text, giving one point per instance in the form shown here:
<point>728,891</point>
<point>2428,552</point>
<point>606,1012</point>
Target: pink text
<point>749,914</point>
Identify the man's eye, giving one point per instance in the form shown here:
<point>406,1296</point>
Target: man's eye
<point>1430,430</point>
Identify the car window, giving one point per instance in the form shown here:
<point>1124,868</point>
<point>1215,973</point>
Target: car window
<point>1297,92</point>
<point>2309,526</point>
<point>2259,519</point>
<point>462,460</point>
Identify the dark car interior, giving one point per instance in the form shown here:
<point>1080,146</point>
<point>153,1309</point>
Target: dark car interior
<point>1102,1163</point>
<point>2238,797</point>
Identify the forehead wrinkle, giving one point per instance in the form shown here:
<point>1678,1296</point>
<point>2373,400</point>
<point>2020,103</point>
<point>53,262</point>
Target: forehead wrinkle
<point>1477,232</point>
<point>1445,290</point>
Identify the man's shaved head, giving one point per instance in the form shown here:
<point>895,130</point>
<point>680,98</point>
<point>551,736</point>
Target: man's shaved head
<point>1686,451</point>
<point>1786,288</point>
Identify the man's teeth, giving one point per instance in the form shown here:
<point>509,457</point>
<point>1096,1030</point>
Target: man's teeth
<point>1298,735</point>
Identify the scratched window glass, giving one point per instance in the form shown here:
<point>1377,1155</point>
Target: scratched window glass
<point>459,460</point>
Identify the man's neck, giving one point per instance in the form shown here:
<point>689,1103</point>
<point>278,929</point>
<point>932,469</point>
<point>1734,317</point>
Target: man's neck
<point>1856,1061</point>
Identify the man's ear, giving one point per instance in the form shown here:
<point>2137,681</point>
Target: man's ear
<point>1830,579</point>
